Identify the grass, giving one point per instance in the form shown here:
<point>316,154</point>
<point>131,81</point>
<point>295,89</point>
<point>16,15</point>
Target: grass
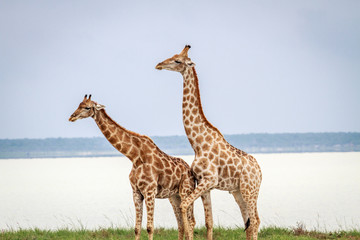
<point>269,233</point>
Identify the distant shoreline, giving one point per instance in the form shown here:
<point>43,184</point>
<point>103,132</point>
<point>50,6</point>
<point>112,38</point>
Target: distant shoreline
<point>176,155</point>
<point>179,145</point>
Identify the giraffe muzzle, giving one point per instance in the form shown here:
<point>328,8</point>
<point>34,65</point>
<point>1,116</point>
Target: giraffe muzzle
<point>72,118</point>
<point>159,67</point>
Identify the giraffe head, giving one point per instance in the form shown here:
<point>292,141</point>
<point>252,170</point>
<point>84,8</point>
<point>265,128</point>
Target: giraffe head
<point>87,108</point>
<point>178,63</point>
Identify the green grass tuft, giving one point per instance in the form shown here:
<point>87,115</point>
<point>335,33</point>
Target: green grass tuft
<point>269,233</point>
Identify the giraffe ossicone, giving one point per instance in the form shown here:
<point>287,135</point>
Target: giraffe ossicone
<point>154,174</point>
<point>217,164</point>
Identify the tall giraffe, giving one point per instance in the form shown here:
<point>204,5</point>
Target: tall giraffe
<point>217,164</point>
<point>154,174</point>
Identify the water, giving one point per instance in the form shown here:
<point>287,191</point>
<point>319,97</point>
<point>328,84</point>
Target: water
<point>320,190</point>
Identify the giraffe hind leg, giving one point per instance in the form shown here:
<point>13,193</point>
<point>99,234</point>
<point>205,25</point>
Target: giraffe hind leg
<point>253,220</point>
<point>256,227</point>
<point>243,208</point>
<point>248,207</point>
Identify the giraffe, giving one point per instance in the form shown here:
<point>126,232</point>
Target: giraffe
<point>154,174</point>
<point>217,164</point>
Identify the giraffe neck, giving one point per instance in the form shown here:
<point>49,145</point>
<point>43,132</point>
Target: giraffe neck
<point>195,123</point>
<point>125,141</point>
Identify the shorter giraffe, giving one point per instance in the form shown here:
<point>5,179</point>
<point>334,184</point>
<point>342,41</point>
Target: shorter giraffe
<point>154,174</point>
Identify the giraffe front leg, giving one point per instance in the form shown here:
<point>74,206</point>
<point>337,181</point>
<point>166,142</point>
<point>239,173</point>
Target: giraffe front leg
<point>191,221</point>
<point>204,186</point>
<point>206,199</point>
<point>175,203</point>
<point>150,204</point>
<point>138,201</point>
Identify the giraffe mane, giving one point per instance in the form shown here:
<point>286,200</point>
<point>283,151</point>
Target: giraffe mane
<point>118,125</point>
<point>200,105</point>
<point>142,136</point>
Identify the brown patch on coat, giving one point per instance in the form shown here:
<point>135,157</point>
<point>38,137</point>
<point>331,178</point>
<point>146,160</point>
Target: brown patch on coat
<point>215,149</point>
<point>208,138</point>
<point>136,142</point>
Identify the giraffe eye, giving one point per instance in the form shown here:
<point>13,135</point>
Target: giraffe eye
<point>177,61</point>
<point>87,108</point>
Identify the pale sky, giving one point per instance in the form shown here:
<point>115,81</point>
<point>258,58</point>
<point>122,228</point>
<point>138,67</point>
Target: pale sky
<point>263,66</point>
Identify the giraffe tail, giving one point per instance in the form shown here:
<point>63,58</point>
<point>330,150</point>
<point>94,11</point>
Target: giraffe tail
<point>247,224</point>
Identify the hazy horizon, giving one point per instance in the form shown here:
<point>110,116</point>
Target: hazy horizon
<point>269,67</point>
<point>181,135</point>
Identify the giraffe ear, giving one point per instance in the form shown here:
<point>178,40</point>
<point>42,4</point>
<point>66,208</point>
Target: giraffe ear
<point>189,63</point>
<point>99,106</point>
